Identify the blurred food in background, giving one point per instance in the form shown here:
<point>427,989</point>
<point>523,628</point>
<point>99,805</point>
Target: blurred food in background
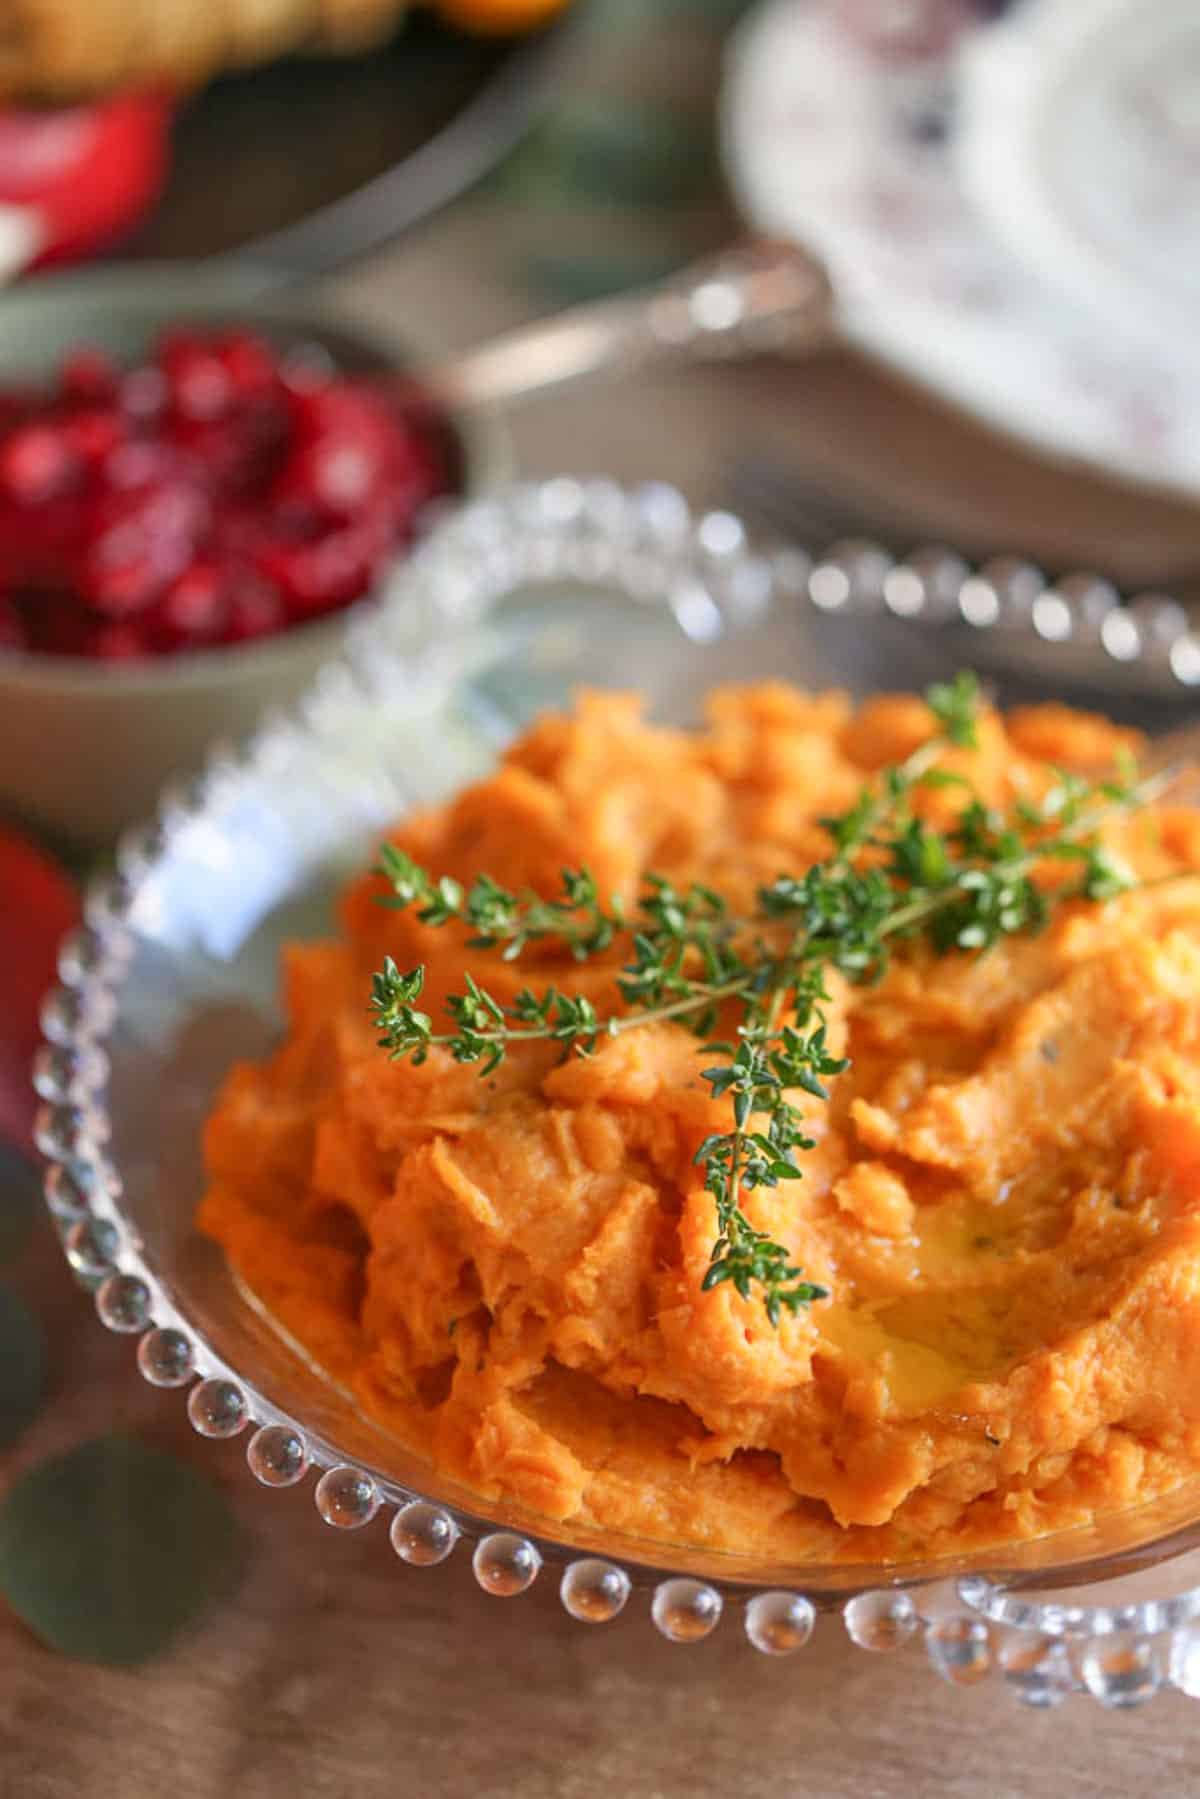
<point>218,493</point>
<point>64,50</point>
<point>73,181</point>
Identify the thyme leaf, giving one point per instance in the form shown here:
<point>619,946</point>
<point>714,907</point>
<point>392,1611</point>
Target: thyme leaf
<point>890,876</point>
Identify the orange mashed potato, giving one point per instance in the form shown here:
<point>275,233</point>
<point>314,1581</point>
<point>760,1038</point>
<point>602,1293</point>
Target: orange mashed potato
<point>1004,1200</point>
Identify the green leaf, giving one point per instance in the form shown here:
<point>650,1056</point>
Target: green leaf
<point>954,705</point>
<point>22,1366</point>
<point>20,1202</point>
<point>108,1551</point>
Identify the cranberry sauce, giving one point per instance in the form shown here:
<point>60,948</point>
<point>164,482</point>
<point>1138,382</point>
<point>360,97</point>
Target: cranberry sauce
<point>218,493</point>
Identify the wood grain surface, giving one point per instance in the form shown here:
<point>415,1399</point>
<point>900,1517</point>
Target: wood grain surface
<point>335,1673</point>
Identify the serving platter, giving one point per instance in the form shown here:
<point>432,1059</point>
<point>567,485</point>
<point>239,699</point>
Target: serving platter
<point>174,975</point>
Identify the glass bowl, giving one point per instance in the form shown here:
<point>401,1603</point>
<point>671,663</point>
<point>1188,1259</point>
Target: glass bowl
<point>120,730</point>
<point>513,601</point>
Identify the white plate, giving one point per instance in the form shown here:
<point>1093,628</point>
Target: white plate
<point>1012,216</point>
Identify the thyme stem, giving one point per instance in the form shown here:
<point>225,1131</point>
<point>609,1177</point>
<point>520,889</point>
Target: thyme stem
<point>888,876</point>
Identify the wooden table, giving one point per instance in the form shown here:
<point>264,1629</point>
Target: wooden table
<point>336,1673</point>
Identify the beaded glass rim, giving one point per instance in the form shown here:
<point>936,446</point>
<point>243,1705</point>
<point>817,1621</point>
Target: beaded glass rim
<point>645,544</point>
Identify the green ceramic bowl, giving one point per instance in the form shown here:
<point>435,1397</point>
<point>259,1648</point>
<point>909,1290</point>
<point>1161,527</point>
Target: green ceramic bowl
<point>86,747</point>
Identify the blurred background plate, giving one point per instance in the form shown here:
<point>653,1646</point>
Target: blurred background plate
<point>313,162</point>
<point>956,170</point>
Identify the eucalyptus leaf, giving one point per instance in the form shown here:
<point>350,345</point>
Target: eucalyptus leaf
<point>106,1552</point>
<point>22,1366</point>
<point>19,1201</point>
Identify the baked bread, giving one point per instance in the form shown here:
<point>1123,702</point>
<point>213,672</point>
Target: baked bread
<point>64,50</point>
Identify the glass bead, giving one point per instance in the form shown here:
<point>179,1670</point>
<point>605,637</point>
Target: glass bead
<point>505,1565</point>
<point>865,565</point>
<point>594,1591</point>
<point>347,1498</point>
<point>139,848</point>
<point>165,1358</point>
<point>109,900</point>
<point>59,1130</point>
<point>978,602</point>
<point>940,1599</point>
<point>663,512</point>
<point>779,1623</point>
<point>68,1072</point>
<point>1121,636</point>
<point>62,1014</point>
<point>1089,597</point>
<point>960,1650</point>
<point>422,1534</point>
<point>1122,1671</point>
<point>880,1621</point>
<point>68,1011</point>
<point>1038,1667</point>
<point>561,500</point>
<point>720,534</point>
<point>91,1247</point>
<point>1016,584</point>
<point>1184,657</point>
<point>790,569</point>
<point>123,1303</point>
<point>904,593</point>
<point>686,1611</point>
<point>828,587</point>
<point>605,507</point>
<point>217,1408</point>
<point>1052,617</point>
<point>1185,1660</point>
<point>941,574</point>
<point>80,954</point>
<point>277,1456</point>
<point>69,1191</point>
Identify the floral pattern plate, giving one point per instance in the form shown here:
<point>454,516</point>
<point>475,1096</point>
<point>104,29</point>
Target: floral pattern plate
<point>1007,207</point>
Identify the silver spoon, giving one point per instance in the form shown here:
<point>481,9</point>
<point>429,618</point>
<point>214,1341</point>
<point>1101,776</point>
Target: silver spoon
<point>760,296</point>
<point>754,297</point>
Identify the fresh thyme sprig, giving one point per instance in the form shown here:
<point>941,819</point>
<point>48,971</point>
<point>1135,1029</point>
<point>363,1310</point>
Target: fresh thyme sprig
<point>889,876</point>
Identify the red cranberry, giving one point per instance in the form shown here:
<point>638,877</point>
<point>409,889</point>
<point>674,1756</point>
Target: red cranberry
<point>144,394</point>
<point>36,463</point>
<point>317,577</point>
<point>39,544</point>
<point>200,386</point>
<point>140,541</point>
<point>89,379</point>
<point>336,475</point>
<point>126,588</point>
<point>193,610</point>
<point>249,363</point>
<point>93,435</point>
<point>141,462</point>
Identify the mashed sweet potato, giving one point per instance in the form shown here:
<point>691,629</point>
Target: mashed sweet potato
<point>1004,1199</point>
